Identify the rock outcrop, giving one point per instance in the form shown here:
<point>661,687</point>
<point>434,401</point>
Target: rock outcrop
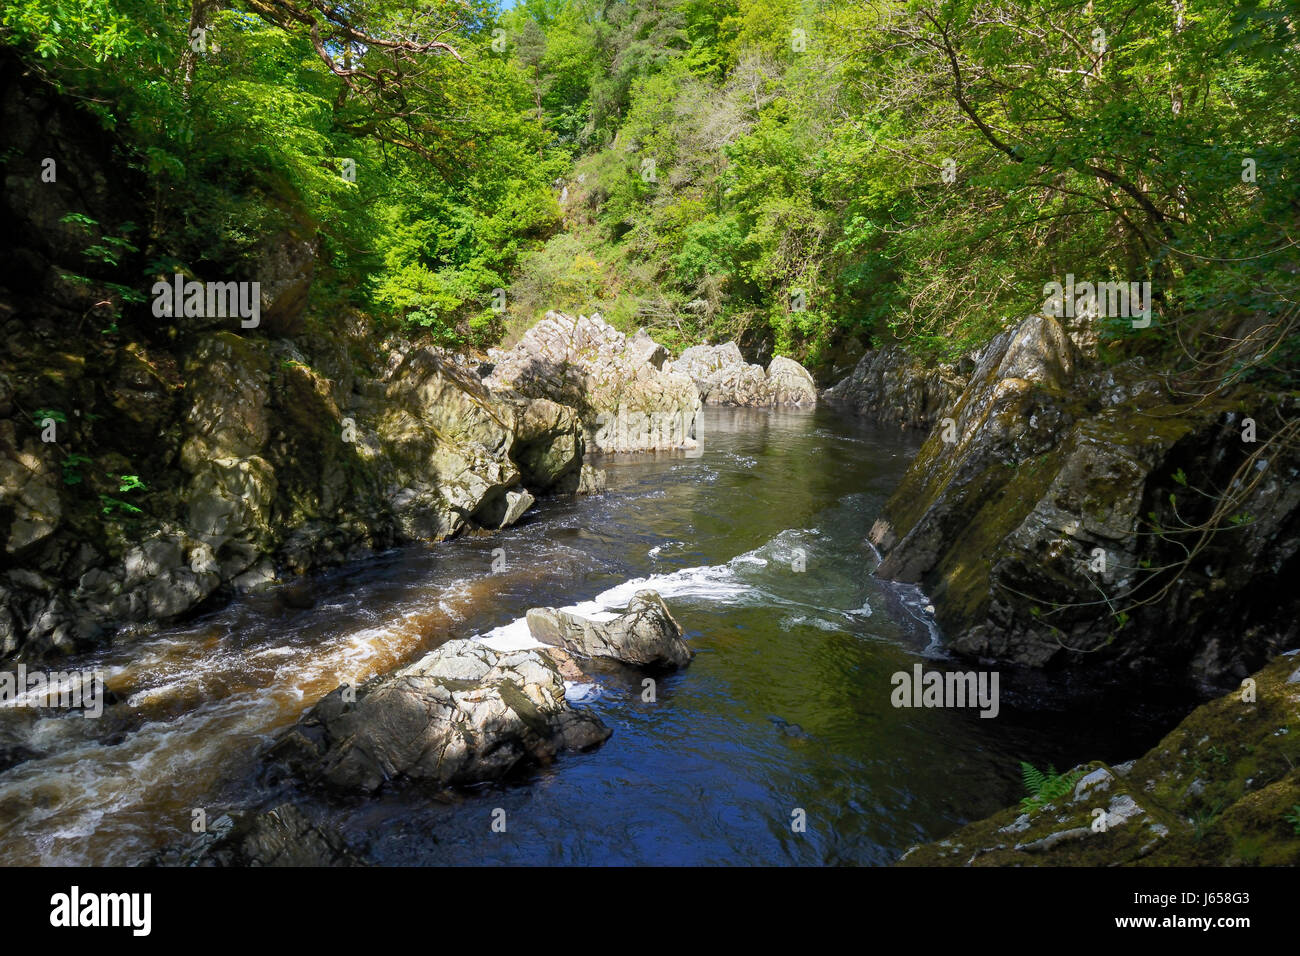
<point>461,715</point>
<point>723,377</point>
<point>1221,789</point>
<point>896,388</point>
<point>1055,521</point>
<point>255,456</point>
<point>626,397</point>
<point>644,635</point>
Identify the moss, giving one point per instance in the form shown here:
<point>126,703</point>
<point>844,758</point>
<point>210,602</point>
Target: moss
<point>1215,791</point>
<point>965,569</point>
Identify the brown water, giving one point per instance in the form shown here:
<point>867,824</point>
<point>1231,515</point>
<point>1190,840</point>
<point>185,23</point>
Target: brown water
<point>787,704</point>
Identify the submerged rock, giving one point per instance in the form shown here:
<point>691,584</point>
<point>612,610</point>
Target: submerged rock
<point>645,634</point>
<point>625,396</point>
<point>1222,789</point>
<point>462,714</point>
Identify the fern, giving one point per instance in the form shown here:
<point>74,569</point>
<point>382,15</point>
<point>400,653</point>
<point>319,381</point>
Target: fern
<point>1044,786</point>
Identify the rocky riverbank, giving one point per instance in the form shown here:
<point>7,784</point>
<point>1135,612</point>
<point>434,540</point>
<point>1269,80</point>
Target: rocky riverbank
<point>1095,522</point>
<point>269,456</point>
<point>1062,513</point>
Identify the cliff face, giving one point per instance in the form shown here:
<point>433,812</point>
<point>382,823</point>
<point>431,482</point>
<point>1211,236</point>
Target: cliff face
<point>256,456</point>
<point>1074,514</point>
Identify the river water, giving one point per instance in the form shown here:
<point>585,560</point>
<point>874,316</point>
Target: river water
<point>758,545</point>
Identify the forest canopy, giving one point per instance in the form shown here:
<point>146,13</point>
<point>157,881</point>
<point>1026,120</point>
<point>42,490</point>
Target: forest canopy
<point>801,176</point>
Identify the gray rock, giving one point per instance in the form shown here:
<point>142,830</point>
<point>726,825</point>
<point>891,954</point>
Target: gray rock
<point>625,400</point>
<point>896,388</point>
<point>645,635</point>
<point>789,383</point>
<point>724,378</point>
<point>506,509</point>
<point>463,714</point>
<point>1000,519</point>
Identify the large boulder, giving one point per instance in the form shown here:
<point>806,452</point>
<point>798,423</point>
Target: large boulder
<point>626,400</point>
<point>645,634</point>
<point>789,383</point>
<point>897,388</point>
<point>445,444</point>
<point>724,378</point>
<point>1065,515</point>
<point>461,715</point>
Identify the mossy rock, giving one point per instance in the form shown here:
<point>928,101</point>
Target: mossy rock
<point>1217,790</point>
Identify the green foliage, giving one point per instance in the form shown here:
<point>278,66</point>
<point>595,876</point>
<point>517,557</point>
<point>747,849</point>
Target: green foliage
<point>40,415</point>
<point>72,468</point>
<point>126,483</point>
<point>821,168</point>
<point>1293,818</point>
<point>718,157</point>
<point>1045,786</point>
<point>109,505</point>
<point>131,483</point>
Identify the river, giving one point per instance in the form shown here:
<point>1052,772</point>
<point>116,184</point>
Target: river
<point>758,545</point>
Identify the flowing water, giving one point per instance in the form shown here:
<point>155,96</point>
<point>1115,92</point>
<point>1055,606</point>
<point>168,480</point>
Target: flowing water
<point>759,547</point>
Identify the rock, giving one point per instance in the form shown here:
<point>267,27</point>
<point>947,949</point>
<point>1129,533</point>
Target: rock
<point>592,481</point>
<point>231,486</point>
<point>625,401</point>
<point>566,664</point>
<point>896,388</point>
<point>505,510</point>
<point>280,837</point>
<point>30,510</point>
<point>445,444</point>
<point>286,267</point>
<point>463,714</point>
<point>645,349</point>
<point>789,383</point>
<point>1216,791</point>
<point>644,635</point>
<point>548,444</point>
<point>724,378</point>
<point>1051,465</point>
